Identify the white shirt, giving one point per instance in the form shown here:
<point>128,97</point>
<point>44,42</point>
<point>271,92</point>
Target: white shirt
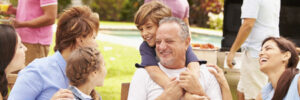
<point>142,87</point>
<point>266,13</point>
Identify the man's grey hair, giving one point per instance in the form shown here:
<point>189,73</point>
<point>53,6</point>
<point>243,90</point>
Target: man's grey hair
<point>184,31</point>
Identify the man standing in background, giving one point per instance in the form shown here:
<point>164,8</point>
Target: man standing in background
<point>260,19</point>
<point>34,20</point>
<point>179,8</point>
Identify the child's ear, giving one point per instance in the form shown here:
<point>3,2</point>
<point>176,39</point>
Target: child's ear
<point>93,74</point>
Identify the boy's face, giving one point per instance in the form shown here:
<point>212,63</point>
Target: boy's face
<point>148,32</point>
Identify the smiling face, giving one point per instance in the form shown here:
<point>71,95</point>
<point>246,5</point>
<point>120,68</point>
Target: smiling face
<point>270,57</point>
<point>148,32</point>
<point>170,47</point>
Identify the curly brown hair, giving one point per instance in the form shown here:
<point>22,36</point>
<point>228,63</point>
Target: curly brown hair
<point>73,23</point>
<point>80,64</point>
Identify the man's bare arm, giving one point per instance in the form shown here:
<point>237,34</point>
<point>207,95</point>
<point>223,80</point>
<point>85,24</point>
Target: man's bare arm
<point>48,18</point>
<point>240,39</point>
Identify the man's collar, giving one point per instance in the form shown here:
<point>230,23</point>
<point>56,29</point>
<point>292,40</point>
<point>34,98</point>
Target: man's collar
<point>168,69</point>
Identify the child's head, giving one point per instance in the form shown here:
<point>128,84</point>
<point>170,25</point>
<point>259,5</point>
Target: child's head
<point>86,66</point>
<point>147,18</point>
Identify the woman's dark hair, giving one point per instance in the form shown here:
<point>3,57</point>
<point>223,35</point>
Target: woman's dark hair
<point>8,42</point>
<point>80,64</point>
<point>287,77</point>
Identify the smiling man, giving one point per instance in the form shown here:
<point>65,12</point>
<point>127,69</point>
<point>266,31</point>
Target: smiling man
<point>172,41</point>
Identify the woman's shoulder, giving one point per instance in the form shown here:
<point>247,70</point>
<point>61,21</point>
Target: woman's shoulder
<point>294,89</point>
<point>298,83</point>
<point>297,78</point>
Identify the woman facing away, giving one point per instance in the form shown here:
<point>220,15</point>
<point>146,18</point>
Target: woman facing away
<point>278,59</point>
<point>12,54</point>
<point>85,70</point>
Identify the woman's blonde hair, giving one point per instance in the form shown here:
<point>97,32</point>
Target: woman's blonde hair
<point>154,10</point>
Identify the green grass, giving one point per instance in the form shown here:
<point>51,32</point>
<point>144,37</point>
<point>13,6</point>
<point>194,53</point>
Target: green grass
<point>120,62</point>
<point>219,30</point>
<point>120,67</point>
<point>115,23</point>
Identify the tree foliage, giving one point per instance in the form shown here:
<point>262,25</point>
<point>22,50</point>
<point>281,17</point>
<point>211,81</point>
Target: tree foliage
<point>124,10</point>
<point>63,4</point>
<point>201,8</point>
<point>114,10</point>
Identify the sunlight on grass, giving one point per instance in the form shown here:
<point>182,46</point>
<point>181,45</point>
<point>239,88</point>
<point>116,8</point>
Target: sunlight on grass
<point>115,23</point>
<point>119,61</point>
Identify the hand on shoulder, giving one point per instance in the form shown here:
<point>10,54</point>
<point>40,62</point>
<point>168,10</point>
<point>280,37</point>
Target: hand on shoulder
<point>64,94</point>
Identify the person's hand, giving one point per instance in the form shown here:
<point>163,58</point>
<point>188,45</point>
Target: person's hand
<point>17,24</point>
<point>219,74</point>
<point>189,81</point>
<point>63,94</point>
<point>172,92</point>
<point>230,57</point>
<point>189,96</point>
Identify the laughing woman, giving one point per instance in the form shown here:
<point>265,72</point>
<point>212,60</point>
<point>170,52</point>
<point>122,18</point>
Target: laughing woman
<point>278,60</point>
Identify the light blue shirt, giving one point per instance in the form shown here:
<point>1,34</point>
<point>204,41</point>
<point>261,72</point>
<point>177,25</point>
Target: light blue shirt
<point>41,79</point>
<point>292,94</point>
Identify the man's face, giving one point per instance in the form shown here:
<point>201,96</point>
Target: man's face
<point>170,47</point>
